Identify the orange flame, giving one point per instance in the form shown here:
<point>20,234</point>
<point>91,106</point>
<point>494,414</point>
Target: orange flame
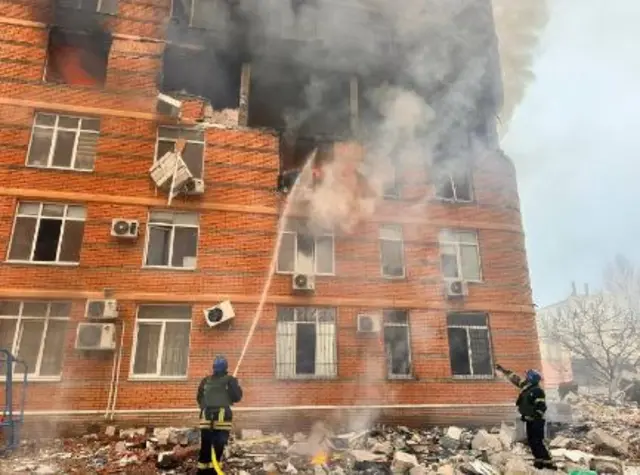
<point>319,459</point>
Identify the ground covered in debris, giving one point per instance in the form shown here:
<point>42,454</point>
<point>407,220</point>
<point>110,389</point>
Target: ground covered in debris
<point>604,438</point>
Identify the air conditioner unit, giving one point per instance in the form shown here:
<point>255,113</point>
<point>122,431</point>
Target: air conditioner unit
<point>106,309</point>
<point>303,282</point>
<point>163,170</point>
<point>455,289</point>
<point>124,228</point>
<point>223,312</point>
<point>96,336</point>
<point>194,187</point>
<point>168,106</point>
<point>368,323</point>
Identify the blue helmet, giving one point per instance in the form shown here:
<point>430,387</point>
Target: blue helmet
<point>220,364</point>
<point>532,376</point>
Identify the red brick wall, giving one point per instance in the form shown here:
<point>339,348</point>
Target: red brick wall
<point>238,216</point>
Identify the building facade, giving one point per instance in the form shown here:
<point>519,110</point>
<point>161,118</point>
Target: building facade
<point>384,332</point>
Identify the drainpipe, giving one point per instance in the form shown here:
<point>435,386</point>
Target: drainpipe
<point>117,382</point>
<point>111,384</point>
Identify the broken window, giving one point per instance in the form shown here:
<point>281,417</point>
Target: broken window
<point>303,102</point>
<point>301,252</point>
<point>161,345</point>
<point>213,75</point>
<point>392,251</point>
<point>306,343</point>
<point>469,345</point>
<point>77,58</point>
<point>35,332</point>
<point>172,240</point>
<point>397,342</point>
<point>45,232</point>
<point>454,185</point>
<point>65,142</point>
<point>193,152</point>
<point>460,255</point>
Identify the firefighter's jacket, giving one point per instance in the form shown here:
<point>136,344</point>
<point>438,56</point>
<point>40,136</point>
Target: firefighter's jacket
<point>531,401</point>
<point>216,394</point>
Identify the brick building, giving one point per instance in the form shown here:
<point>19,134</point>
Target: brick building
<point>83,123</point>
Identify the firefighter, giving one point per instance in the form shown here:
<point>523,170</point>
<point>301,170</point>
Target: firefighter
<point>216,394</point>
<point>532,406</point>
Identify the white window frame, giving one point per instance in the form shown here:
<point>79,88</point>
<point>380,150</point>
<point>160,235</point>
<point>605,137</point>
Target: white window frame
<point>296,270</point>
<point>175,141</point>
<point>451,177</point>
<point>173,226</point>
<point>54,140</point>
<point>467,328</point>
<point>157,376</point>
<point>39,218</point>
<point>296,322</point>
<point>99,8</point>
<point>391,375</point>
<point>17,337</point>
<point>457,243</point>
<point>394,228</point>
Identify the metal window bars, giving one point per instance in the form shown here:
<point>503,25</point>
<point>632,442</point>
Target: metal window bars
<point>12,417</point>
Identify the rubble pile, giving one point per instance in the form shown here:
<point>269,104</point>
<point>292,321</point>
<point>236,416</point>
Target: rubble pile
<point>605,439</point>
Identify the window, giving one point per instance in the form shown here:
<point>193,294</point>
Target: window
<point>207,14</point>
<point>161,345</point>
<point>454,186</point>
<point>63,142</point>
<point>397,343</point>
<point>306,343</point>
<point>460,255</point>
<point>193,152</point>
<point>107,7</point>
<point>45,232</point>
<point>469,345</point>
<point>35,333</point>
<point>304,253</point>
<point>391,186</point>
<point>392,251</point>
<point>172,240</point>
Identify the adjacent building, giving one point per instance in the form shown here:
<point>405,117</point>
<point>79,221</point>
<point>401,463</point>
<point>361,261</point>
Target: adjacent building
<point>144,160</point>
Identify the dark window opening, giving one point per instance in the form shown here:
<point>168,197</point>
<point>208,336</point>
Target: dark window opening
<point>396,342</point>
<point>305,104</point>
<point>453,182</point>
<point>306,348</point>
<point>47,240</point>
<point>204,73</point>
<point>204,14</point>
<point>106,7</point>
<point>295,151</point>
<point>469,345</point>
<point>77,58</point>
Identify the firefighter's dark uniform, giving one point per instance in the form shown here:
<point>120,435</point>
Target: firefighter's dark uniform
<point>216,394</point>
<point>532,406</point>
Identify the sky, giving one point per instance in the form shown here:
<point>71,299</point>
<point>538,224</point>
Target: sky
<point>575,140</point>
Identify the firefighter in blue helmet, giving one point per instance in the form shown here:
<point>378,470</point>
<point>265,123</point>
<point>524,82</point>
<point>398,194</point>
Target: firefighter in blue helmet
<point>216,394</point>
<point>532,406</point>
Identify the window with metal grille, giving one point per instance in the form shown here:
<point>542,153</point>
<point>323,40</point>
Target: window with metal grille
<point>469,345</point>
<point>306,343</point>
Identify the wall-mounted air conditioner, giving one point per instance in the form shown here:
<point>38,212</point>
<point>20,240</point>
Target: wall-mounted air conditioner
<point>124,228</point>
<point>303,282</point>
<point>105,309</point>
<point>96,336</point>
<point>223,312</point>
<point>454,289</point>
<point>194,187</point>
<point>368,323</point>
<point>168,106</point>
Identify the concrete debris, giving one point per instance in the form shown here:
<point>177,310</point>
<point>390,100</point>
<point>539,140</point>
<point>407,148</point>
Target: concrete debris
<point>604,439</point>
